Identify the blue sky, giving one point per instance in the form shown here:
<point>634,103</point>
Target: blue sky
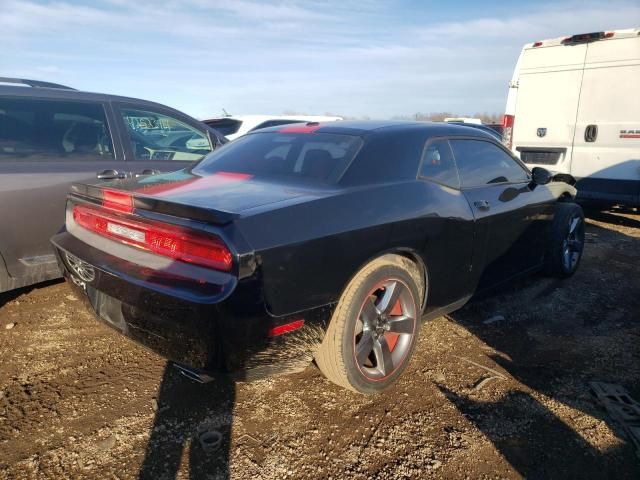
<point>370,58</point>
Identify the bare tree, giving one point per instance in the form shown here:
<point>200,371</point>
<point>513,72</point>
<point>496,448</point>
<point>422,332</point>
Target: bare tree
<point>440,116</point>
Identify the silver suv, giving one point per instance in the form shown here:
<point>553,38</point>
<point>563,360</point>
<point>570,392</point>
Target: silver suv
<point>52,136</point>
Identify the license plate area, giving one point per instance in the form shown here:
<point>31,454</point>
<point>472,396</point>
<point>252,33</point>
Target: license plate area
<point>541,156</point>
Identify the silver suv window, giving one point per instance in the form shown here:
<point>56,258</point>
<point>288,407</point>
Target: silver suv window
<point>36,129</point>
<point>156,136</point>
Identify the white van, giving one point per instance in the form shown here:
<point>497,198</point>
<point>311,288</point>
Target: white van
<point>574,107</point>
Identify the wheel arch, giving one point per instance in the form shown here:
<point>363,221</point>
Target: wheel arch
<point>413,256</point>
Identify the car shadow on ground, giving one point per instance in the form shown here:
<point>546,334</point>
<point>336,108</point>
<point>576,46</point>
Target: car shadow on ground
<point>549,343</point>
<point>11,295</point>
<point>191,429</point>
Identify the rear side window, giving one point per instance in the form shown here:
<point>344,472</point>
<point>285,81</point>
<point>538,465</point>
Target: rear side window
<point>316,158</point>
<point>36,129</point>
<point>483,163</point>
<point>438,164</point>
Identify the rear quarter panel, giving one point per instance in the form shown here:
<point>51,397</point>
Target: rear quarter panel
<point>308,252</point>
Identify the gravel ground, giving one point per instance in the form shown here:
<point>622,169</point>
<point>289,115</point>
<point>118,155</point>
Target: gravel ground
<point>507,398</point>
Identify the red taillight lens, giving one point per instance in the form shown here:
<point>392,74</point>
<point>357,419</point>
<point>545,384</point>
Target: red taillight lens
<point>167,240</point>
<point>118,201</point>
<point>507,130</point>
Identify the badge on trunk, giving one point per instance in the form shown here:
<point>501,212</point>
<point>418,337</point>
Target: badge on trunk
<point>80,268</point>
<point>541,132</point>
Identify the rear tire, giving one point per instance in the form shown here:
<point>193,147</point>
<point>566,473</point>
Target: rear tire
<point>375,327</point>
<point>567,241</point>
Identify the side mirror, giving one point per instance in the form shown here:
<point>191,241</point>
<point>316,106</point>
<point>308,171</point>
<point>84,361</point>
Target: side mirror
<point>541,176</point>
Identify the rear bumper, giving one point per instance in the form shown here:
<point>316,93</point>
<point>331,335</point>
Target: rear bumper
<point>211,326</point>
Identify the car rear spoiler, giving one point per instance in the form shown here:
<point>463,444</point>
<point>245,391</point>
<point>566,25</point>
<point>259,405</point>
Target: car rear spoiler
<point>95,194</point>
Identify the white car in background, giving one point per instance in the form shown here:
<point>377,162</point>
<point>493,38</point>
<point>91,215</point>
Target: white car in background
<point>234,126</point>
<point>574,107</point>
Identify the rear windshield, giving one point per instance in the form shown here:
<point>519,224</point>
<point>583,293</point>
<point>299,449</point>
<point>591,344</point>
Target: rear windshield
<point>319,158</point>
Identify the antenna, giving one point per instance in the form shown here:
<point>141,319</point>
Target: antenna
<point>226,114</point>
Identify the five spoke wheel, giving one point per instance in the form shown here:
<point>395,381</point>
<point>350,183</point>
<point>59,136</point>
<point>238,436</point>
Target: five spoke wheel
<point>384,329</point>
<point>566,240</point>
<point>572,245</point>
<point>375,326</point>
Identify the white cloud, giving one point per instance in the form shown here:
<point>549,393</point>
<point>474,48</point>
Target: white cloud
<point>349,57</point>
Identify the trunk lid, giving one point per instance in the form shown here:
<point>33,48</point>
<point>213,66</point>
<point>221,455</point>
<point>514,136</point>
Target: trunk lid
<point>218,197</point>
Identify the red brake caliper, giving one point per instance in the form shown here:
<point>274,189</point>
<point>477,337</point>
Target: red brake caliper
<point>392,337</point>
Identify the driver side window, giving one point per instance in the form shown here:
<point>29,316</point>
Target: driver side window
<point>155,136</point>
<point>483,163</point>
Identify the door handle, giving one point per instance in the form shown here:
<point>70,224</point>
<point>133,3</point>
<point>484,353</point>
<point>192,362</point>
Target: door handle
<point>591,133</point>
<point>110,174</point>
<point>482,204</point>
<point>147,171</point>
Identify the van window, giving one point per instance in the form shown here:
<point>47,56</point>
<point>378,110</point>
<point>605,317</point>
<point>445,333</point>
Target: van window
<point>483,163</point>
<point>318,158</point>
<point>438,164</point>
<point>36,129</point>
<point>156,136</point>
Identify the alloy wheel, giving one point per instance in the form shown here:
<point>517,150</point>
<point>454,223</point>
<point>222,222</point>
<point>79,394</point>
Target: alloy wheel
<point>572,244</point>
<point>384,329</point>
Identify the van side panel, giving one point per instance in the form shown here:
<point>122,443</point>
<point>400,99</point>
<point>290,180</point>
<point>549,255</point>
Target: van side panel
<point>547,101</point>
<point>608,168</point>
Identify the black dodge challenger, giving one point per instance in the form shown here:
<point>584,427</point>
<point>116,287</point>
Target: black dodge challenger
<point>325,242</point>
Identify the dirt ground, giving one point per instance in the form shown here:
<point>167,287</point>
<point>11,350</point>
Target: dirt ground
<point>503,399</point>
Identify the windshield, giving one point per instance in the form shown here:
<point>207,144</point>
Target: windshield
<point>297,157</point>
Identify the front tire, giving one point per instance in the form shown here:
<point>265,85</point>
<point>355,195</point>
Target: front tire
<point>374,328</point>
<point>567,241</point>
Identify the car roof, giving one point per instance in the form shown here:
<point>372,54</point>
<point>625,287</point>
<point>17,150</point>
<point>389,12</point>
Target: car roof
<point>368,127</point>
<point>70,94</point>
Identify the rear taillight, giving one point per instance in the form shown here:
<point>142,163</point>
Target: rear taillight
<point>118,201</point>
<point>167,240</point>
<point>507,130</point>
